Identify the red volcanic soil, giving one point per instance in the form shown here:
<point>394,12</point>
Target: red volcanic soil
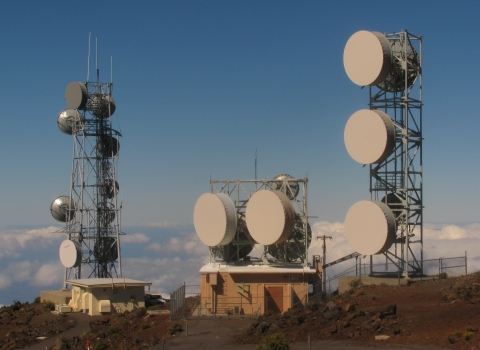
<point>443,313</point>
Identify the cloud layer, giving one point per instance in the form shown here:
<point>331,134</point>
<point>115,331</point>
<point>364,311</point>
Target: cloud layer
<point>169,255</point>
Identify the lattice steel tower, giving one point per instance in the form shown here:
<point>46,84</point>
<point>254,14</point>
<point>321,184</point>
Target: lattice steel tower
<point>92,211</point>
<point>238,214</point>
<point>391,65</point>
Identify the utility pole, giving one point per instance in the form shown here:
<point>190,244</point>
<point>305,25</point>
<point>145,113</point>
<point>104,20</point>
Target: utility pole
<point>324,246</point>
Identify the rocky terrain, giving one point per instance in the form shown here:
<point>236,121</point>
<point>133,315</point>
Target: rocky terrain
<point>444,313</point>
<point>21,324</point>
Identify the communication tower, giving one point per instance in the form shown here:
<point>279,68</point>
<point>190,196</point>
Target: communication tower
<point>271,217</point>
<point>388,137</point>
<point>238,214</point>
<point>91,212</point>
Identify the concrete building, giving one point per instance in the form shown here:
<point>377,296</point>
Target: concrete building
<point>97,296</point>
<point>255,289</point>
<point>59,297</point>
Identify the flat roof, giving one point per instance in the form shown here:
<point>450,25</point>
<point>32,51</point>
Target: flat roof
<point>107,282</point>
<point>217,267</point>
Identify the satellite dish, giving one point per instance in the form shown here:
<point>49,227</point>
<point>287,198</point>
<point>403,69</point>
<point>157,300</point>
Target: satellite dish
<point>370,227</point>
<point>215,219</point>
<point>269,217</point>
<point>369,136</point>
<point>70,121</point>
<point>70,253</point>
<point>102,106</point>
<point>63,209</point>
<point>108,146</point>
<point>367,58</point>
<point>76,95</point>
<point>109,188</point>
<point>294,247</point>
<point>105,249</point>
<point>405,57</point>
<point>241,245</point>
<point>290,188</point>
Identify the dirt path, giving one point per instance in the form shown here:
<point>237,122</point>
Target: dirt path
<point>82,326</point>
<point>215,334</point>
<point>204,334</point>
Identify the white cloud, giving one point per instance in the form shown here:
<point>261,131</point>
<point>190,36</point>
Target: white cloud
<point>177,260</point>
<point>440,240</point>
<point>135,238</point>
<point>33,273</point>
<point>156,247</point>
<point>21,271</point>
<point>162,224</point>
<point>49,274</point>
<point>337,246</point>
<point>8,253</point>
<point>188,244</point>
<point>437,240</point>
<point>11,241</point>
<point>451,232</point>
<point>166,274</point>
<point>5,281</point>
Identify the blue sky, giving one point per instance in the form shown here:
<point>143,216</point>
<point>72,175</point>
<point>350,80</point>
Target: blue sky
<point>199,85</point>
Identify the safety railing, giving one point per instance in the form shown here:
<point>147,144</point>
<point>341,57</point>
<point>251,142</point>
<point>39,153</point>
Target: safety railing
<point>185,302</point>
<point>442,267</point>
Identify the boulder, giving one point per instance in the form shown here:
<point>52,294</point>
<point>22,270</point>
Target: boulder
<point>263,327</point>
<point>330,313</point>
<point>331,305</point>
<point>389,311</point>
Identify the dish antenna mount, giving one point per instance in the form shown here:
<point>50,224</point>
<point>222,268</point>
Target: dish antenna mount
<point>239,215</point>
<point>91,212</point>
<point>388,137</point>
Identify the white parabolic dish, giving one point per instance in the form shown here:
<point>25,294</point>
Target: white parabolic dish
<point>63,209</point>
<point>369,136</point>
<point>270,217</point>
<point>367,58</point>
<point>70,254</point>
<point>370,227</point>
<point>215,219</point>
<point>66,121</point>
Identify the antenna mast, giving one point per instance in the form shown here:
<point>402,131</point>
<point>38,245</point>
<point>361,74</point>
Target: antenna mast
<point>88,60</point>
<point>96,61</point>
<point>92,212</point>
<point>324,259</point>
<point>391,65</point>
<point>255,168</point>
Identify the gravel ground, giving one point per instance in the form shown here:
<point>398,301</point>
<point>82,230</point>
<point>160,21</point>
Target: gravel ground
<point>430,315</point>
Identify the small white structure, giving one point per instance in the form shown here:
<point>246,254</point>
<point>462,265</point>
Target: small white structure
<point>97,296</point>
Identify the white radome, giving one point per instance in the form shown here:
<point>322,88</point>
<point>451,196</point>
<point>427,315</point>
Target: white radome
<point>370,227</point>
<point>215,219</point>
<point>270,217</point>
